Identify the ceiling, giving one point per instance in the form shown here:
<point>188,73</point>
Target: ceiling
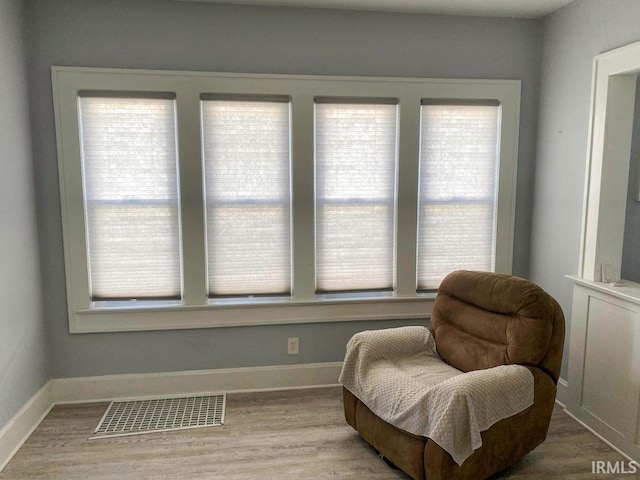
<point>483,8</point>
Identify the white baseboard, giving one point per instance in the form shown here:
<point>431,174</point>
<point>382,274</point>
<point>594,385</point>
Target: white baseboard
<point>229,380</point>
<point>146,385</point>
<point>23,423</point>
<point>626,456</point>
<point>562,400</point>
<point>562,393</point>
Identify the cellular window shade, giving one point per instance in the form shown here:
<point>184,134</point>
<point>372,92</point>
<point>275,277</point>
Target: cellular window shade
<point>131,197</point>
<point>355,190</point>
<point>458,189</point>
<point>246,152</point>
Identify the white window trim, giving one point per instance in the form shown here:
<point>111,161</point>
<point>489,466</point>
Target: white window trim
<point>613,92</point>
<point>304,306</point>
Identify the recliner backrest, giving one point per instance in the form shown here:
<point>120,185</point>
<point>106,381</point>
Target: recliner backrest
<point>482,320</point>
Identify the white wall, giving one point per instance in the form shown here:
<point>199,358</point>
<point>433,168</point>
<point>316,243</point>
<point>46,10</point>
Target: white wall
<point>23,351</point>
<point>572,36</point>
<point>176,35</point>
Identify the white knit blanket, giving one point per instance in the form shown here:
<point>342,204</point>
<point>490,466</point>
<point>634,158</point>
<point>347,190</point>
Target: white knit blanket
<point>398,374</point>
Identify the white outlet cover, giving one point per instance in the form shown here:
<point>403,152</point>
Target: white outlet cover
<point>293,345</point>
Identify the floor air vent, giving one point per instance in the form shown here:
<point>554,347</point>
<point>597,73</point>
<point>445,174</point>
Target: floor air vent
<point>160,415</point>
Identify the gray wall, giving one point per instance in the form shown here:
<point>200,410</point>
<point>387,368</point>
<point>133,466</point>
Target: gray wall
<point>202,36</point>
<point>572,36</point>
<point>631,245</point>
<point>23,368</point>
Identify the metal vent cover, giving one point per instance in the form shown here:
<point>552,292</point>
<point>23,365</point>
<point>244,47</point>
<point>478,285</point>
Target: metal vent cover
<point>161,415</point>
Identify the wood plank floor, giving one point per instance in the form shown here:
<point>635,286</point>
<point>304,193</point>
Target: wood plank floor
<point>276,435</point>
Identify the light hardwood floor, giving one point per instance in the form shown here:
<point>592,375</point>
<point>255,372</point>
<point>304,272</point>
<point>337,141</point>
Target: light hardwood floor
<point>297,434</point>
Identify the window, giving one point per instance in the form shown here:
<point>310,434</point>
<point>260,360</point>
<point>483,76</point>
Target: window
<point>194,200</point>
<point>131,196</point>
<point>458,188</point>
<point>355,194</point>
<point>246,156</point>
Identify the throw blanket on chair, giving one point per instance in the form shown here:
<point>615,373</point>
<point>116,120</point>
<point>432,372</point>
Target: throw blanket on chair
<point>399,376</point>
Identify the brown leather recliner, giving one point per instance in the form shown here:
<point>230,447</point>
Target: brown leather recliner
<point>481,320</point>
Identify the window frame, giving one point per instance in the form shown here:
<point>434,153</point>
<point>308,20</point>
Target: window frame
<point>304,306</point>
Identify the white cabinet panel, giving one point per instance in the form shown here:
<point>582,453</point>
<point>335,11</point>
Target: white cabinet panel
<point>607,390</point>
<point>604,362</point>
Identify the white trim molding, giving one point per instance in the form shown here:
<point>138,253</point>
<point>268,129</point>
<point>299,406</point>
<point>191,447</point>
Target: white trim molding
<point>148,385</point>
<point>24,422</point>
<point>303,304</point>
<point>227,380</point>
<point>607,170</point>
<point>562,393</point>
<point>597,435</point>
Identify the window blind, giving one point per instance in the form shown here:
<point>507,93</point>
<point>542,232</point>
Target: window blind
<point>131,196</point>
<point>458,189</point>
<point>355,158</point>
<point>246,153</point>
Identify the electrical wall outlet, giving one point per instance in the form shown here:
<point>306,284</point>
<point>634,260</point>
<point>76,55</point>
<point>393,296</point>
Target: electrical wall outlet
<point>293,346</point>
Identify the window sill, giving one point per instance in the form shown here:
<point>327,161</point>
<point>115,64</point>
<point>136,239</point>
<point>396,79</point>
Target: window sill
<point>623,289</point>
<point>248,313</point>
